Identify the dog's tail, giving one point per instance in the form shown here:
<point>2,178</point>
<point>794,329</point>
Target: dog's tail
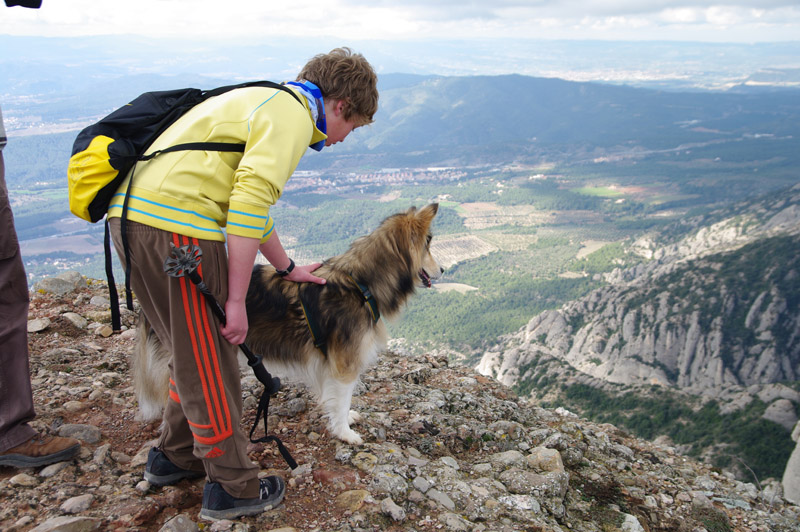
<point>150,372</point>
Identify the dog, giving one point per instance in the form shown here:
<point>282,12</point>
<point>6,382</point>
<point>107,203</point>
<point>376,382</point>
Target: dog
<point>327,335</point>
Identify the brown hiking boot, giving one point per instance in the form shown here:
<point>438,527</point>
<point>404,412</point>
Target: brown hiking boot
<point>39,451</point>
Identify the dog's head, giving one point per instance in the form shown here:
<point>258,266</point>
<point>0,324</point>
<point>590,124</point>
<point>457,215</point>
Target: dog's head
<point>428,269</point>
<point>410,235</point>
<point>395,258</point>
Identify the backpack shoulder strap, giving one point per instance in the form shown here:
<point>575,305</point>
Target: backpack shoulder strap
<point>269,84</point>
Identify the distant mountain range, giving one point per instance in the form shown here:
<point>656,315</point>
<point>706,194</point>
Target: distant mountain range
<point>458,121</point>
<point>506,118</point>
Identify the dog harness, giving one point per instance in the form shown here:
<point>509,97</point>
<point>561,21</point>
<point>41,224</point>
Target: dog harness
<point>319,336</point>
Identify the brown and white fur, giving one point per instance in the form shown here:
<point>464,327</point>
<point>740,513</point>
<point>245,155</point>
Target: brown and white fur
<point>391,261</point>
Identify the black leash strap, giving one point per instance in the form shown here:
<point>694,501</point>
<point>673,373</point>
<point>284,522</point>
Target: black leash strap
<point>263,409</point>
<point>116,318</point>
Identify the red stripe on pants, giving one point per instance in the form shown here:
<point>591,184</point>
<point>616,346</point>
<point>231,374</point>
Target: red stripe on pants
<point>206,356</point>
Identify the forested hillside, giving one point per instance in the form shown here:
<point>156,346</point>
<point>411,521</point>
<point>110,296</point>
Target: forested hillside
<point>714,315</point>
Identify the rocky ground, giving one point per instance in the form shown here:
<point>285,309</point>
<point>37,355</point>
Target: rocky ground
<point>445,449</point>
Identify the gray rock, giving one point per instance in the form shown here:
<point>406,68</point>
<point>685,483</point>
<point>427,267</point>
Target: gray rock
<point>507,459</point>
<point>86,433</point>
<point>527,483</point>
<point>38,325</point>
<point>449,461</point>
<point>781,412</point>
<point>75,278</point>
<point>421,484</point>
<point>521,502</point>
<point>631,524</point>
<point>74,406</point>
<point>705,483</point>
<point>791,475</point>
<point>24,480</point>
<point>730,502</point>
<point>76,319</point>
<point>292,407</point>
<point>62,354</point>
<point>390,508</point>
<point>301,470</point>
<point>180,523</point>
<point>76,505</point>
<point>544,459</point>
<point>101,454</point>
<point>69,524</point>
<point>455,522</point>
<point>482,469</point>
<point>100,301</point>
<point>53,469</point>
<point>55,286</point>
<point>441,498</point>
<point>388,483</point>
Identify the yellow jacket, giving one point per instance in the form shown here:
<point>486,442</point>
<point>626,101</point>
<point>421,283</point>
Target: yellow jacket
<point>198,193</point>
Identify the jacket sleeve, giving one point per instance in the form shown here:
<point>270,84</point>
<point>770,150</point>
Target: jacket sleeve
<point>279,132</point>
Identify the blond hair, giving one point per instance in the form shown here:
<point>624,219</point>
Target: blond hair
<point>344,75</point>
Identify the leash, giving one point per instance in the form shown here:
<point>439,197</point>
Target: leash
<point>183,262</point>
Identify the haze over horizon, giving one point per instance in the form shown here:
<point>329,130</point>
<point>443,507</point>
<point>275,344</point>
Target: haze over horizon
<point>743,21</point>
<point>73,46</point>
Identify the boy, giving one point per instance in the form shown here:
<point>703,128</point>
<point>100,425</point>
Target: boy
<point>187,198</point>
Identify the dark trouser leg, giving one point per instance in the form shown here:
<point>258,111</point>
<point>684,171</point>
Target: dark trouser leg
<point>16,397</point>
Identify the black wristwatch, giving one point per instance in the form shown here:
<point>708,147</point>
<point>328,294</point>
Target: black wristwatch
<point>287,271</point>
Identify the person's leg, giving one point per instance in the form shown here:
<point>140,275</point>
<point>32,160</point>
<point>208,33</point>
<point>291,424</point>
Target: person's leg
<point>204,411</point>
<point>18,445</point>
<point>16,396</point>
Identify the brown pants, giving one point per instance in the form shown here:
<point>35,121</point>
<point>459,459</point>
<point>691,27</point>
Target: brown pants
<point>202,418</point>
<point>16,398</point>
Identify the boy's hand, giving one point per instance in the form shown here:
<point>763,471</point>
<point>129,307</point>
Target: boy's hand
<point>302,274</point>
<point>235,329</point>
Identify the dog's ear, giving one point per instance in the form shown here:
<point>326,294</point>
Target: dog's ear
<point>427,213</point>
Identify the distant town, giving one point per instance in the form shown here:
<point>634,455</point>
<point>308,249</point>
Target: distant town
<point>325,182</point>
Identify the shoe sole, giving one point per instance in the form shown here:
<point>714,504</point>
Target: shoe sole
<point>168,480</point>
<point>242,511</point>
<point>20,460</point>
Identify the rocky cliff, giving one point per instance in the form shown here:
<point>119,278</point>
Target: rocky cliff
<point>705,325</point>
<point>446,449</point>
<point>714,310</point>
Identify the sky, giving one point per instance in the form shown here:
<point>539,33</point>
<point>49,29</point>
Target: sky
<point>741,21</point>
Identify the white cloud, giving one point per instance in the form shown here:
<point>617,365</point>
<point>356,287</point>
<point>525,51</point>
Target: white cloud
<point>750,20</point>
<point>680,15</point>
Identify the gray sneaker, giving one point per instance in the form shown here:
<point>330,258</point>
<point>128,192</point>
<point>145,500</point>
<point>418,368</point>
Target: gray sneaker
<point>218,504</point>
<point>159,471</point>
